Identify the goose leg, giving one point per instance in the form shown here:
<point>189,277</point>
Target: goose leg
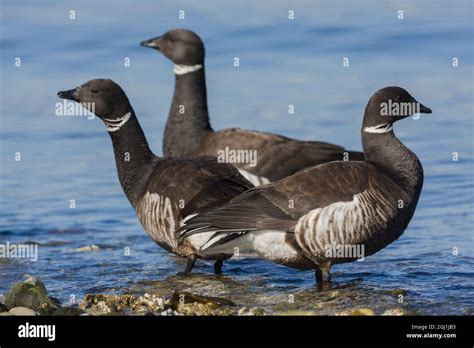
<point>190,264</point>
<point>218,267</point>
<point>322,273</point>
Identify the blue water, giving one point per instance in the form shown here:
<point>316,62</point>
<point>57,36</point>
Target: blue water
<point>282,62</point>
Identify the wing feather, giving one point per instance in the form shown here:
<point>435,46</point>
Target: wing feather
<point>279,206</point>
<point>278,156</point>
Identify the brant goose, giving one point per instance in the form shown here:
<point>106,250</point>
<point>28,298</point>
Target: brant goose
<point>163,191</point>
<point>189,133</point>
<point>326,214</point>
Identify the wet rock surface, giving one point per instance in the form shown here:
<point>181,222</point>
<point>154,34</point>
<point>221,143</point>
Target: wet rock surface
<point>208,295</point>
<point>254,298</point>
<point>31,294</point>
<point>69,311</point>
<point>122,304</point>
<point>151,304</point>
<point>187,298</point>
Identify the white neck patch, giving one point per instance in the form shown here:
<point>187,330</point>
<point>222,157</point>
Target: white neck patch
<point>380,128</point>
<point>115,125</point>
<point>186,69</point>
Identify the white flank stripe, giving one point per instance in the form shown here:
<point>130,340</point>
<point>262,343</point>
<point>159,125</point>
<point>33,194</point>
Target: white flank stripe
<point>352,222</point>
<point>157,216</point>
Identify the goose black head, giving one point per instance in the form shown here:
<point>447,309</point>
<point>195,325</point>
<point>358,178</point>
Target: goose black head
<point>181,46</point>
<point>102,97</point>
<point>388,105</point>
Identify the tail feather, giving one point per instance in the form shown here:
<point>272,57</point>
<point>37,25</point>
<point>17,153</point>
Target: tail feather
<point>246,213</point>
<point>225,237</point>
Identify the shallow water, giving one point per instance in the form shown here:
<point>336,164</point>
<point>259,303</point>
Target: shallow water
<point>282,62</point>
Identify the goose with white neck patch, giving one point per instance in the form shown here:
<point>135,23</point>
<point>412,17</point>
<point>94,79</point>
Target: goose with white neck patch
<point>163,191</point>
<point>189,133</point>
<point>306,219</point>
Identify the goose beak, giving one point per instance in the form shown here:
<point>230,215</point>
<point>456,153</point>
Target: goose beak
<point>69,94</point>
<point>152,43</point>
<point>424,109</point>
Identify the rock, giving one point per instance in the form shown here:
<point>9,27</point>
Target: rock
<point>180,303</point>
<point>298,313</point>
<point>195,309</point>
<point>31,294</point>
<point>22,311</point>
<point>187,298</point>
<point>110,304</point>
<point>148,303</point>
<point>201,309</point>
<point>55,300</point>
<point>395,311</point>
<point>69,311</point>
<point>103,304</point>
<point>168,312</point>
<point>242,311</point>
<point>253,311</point>
<point>185,303</point>
<point>54,243</point>
<point>91,247</point>
<point>395,292</point>
<point>362,311</point>
<point>36,282</point>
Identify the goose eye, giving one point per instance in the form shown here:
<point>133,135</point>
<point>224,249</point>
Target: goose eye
<point>172,38</point>
<point>94,90</point>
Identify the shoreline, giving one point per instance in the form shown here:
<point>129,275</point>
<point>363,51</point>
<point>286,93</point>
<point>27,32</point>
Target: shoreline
<point>160,299</point>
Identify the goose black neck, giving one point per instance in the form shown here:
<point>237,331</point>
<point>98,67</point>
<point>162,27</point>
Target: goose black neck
<point>188,120</point>
<point>392,157</point>
<point>133,158</point>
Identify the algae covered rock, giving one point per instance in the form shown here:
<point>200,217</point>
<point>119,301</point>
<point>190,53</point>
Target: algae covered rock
<point>98,304</point>
<point>31,294</point>
<point>185,303</point>
<point>186,297</point>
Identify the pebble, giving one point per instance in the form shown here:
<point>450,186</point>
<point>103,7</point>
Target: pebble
<point>362,311</point>
<point>91,247</point>
<point>298,313</point>
<point>395,311</point>
<point>21,311</point>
